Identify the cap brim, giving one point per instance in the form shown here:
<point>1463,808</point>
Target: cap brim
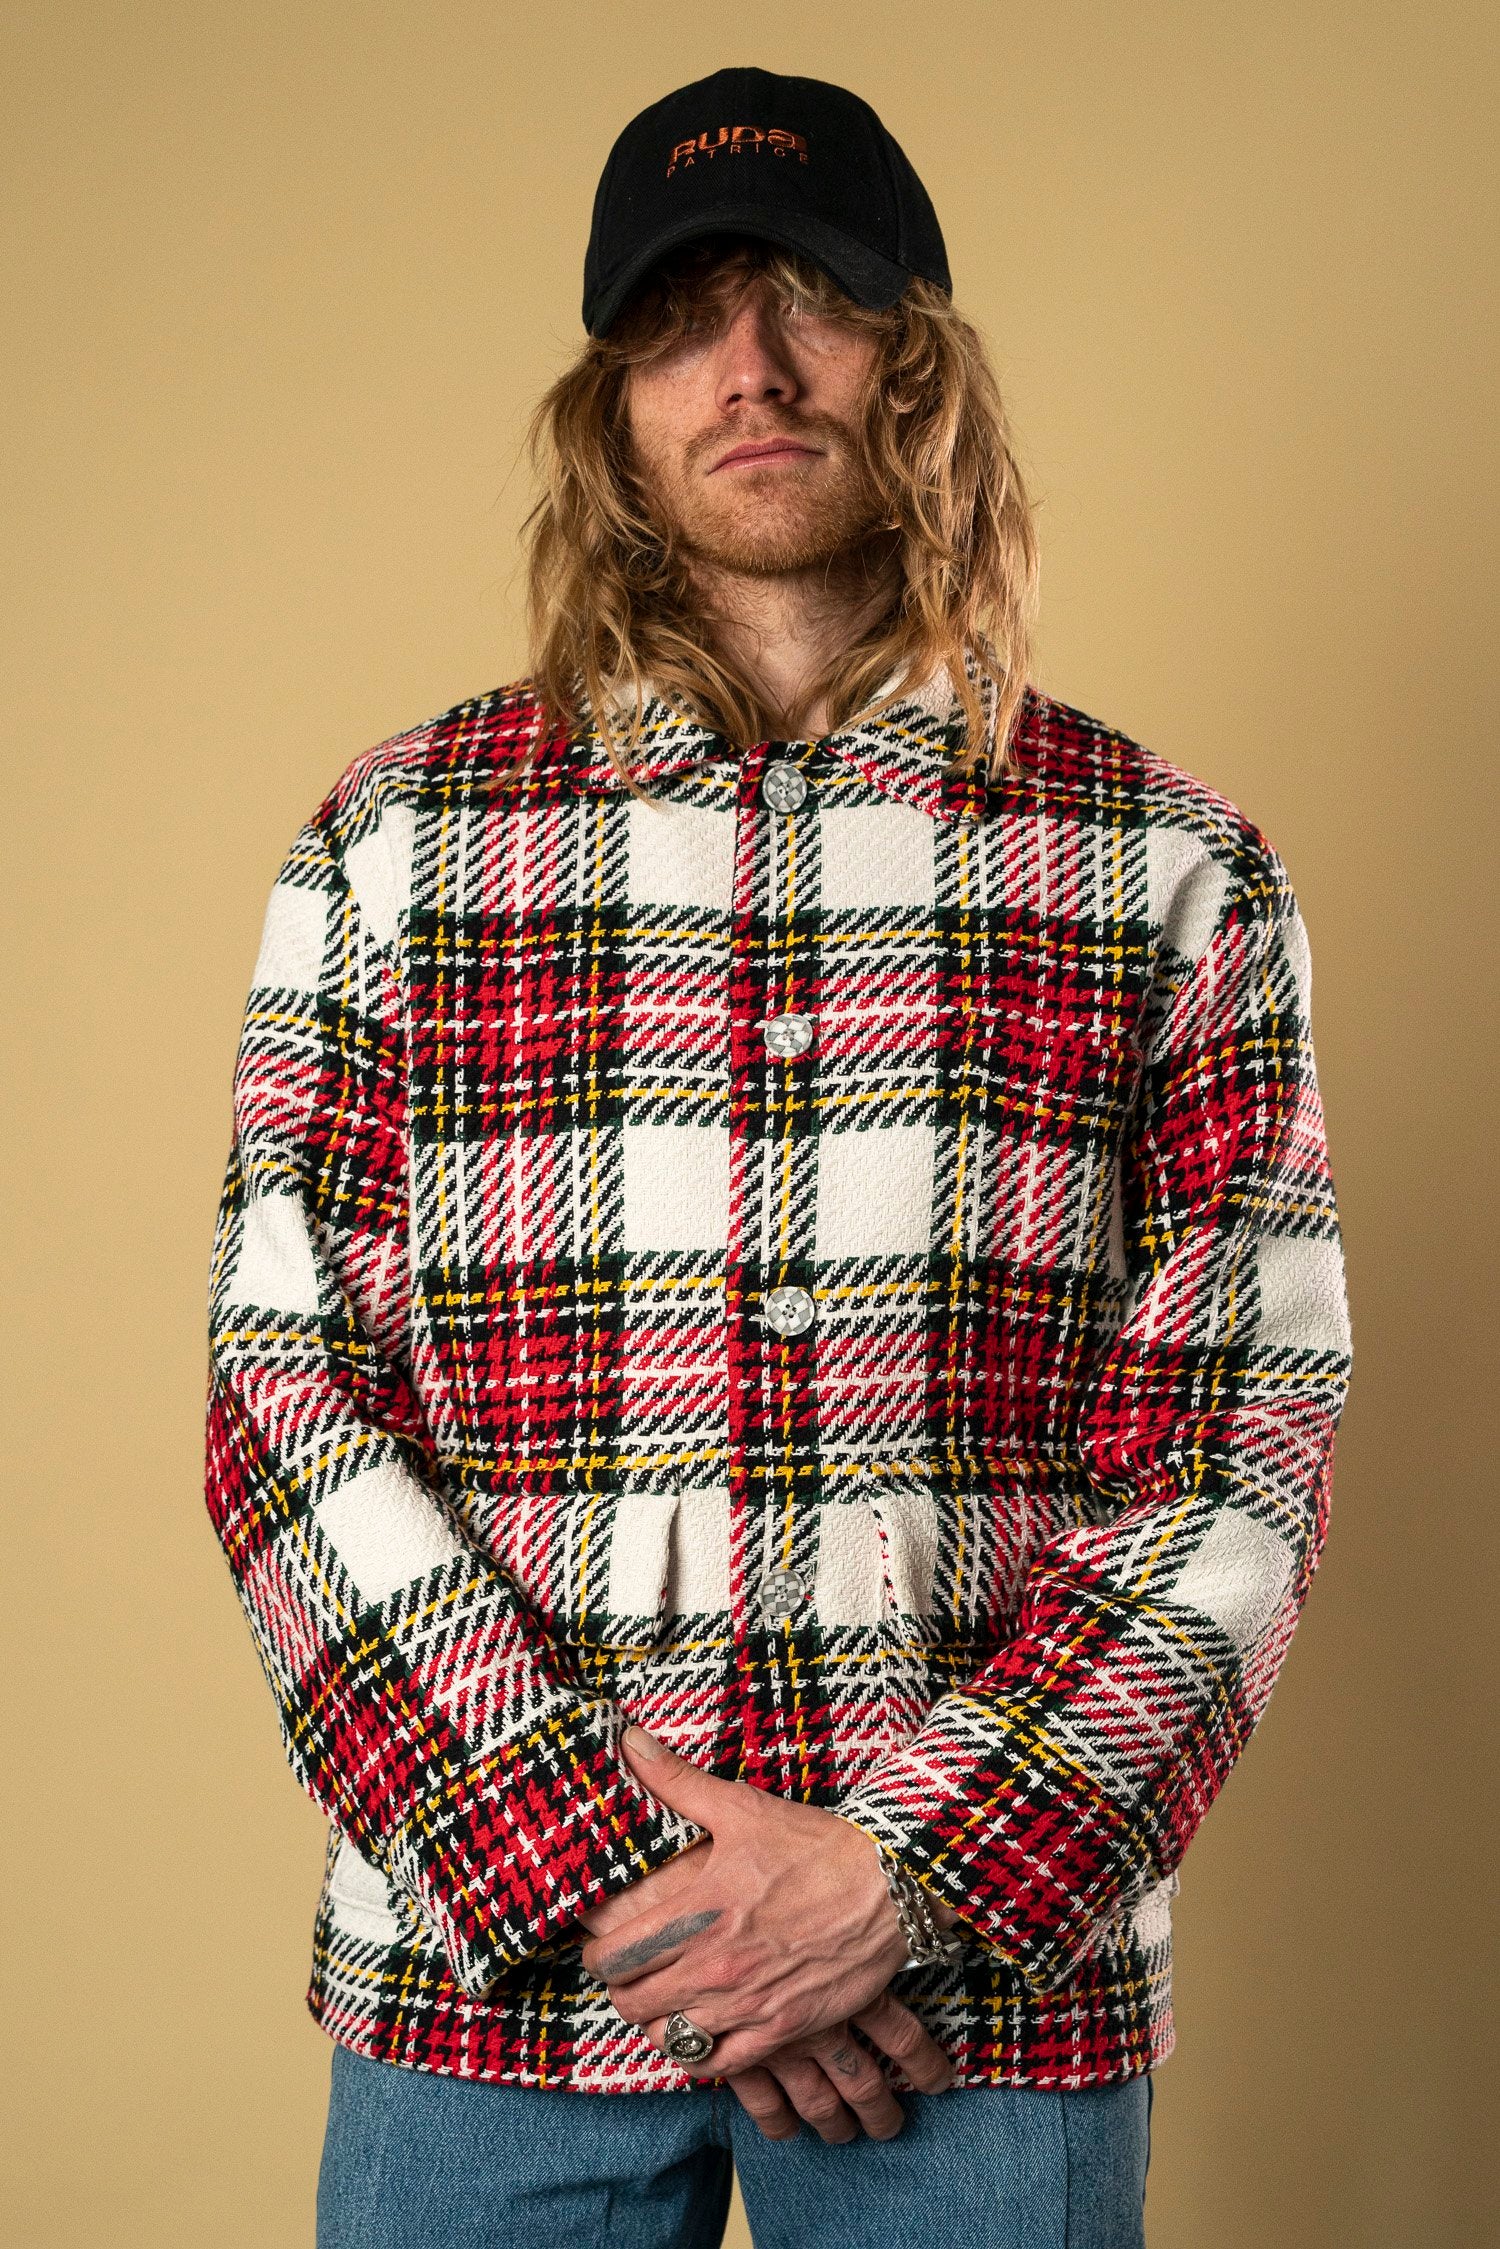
<point>863,274</point>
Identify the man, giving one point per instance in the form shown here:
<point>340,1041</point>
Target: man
<point>778,1313</point>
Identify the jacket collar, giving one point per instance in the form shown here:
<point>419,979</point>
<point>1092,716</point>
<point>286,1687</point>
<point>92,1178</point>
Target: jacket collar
<point>906,751</point>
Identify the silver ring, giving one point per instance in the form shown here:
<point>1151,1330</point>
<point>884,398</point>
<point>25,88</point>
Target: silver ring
<point>685,2042</point>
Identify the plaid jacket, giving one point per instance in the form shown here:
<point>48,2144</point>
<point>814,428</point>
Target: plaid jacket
<point>836,1262</point>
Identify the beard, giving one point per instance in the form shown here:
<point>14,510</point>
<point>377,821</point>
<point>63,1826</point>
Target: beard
<point>766,523</point>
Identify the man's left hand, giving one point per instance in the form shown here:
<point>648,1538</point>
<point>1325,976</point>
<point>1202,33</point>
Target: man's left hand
<point>788,1928</point>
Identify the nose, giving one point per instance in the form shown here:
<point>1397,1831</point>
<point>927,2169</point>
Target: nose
<point>755,367</point>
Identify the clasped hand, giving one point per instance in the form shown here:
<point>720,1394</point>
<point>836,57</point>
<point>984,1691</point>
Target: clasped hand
<point>775,1936</point>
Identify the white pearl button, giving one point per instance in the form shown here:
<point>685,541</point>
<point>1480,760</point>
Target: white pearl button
<point>783,787</point>
<point>789,1311</point>
<point>788,1035</point>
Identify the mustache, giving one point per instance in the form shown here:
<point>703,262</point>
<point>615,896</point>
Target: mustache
<point>799,429</point>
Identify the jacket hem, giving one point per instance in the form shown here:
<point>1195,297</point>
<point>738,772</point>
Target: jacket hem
<point>376,2043</point>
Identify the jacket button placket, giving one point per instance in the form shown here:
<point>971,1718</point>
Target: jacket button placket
<point>775,1323</point>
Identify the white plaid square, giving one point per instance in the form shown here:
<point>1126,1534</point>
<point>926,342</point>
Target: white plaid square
<point>681,855</point>
<point>875,1192</point>
<point>292,938</point>
<point>275,1267</point>
<point>875,855</point>
<point>676,1180</point>
<point>386,1530</point>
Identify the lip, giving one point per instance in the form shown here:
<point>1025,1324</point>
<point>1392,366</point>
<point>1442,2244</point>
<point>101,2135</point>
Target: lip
<point>770,449</point>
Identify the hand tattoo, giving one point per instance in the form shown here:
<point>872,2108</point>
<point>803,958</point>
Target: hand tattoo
<point>631,1958</point>
<point>845,2060</point>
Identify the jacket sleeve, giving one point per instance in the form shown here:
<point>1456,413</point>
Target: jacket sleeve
<point>421,1705</point>
<point>1048,1794</point>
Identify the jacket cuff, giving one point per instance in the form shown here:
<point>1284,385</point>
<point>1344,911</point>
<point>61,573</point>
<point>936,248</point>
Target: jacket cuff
<point>983,1810</point>
<point>503,1856</point>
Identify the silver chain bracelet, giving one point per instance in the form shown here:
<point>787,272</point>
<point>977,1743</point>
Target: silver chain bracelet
<point>926,1941</point>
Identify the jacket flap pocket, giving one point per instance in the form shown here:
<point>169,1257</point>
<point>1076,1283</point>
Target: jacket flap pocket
<point>906,1516</point>
<point>640,1561</point>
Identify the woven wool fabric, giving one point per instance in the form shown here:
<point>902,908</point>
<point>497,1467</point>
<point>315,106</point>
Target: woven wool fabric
<point>996,1547</point>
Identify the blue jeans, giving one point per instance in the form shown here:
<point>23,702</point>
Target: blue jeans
<point>416,2161</point>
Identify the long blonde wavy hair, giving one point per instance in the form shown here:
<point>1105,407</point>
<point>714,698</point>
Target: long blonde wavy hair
<point>611,607</point>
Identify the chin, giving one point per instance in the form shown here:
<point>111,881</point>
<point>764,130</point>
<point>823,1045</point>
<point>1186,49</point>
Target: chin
<point>764,559</point>
<point>769,538</point>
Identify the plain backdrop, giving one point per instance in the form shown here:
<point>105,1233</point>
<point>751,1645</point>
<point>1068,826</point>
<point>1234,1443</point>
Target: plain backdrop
<point>284,281</point>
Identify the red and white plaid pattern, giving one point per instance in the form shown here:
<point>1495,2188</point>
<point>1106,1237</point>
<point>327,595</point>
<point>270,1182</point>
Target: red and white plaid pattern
<point>995,1547</point>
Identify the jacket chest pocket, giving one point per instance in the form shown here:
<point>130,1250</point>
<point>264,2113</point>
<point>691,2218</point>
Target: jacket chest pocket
<point>1034,1066</point>
<point>1041,1105</point>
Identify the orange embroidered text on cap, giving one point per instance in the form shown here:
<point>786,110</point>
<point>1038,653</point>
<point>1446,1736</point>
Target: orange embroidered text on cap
<point>738,140</point>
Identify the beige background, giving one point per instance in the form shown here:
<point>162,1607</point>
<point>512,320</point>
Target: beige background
<point>289,277</point>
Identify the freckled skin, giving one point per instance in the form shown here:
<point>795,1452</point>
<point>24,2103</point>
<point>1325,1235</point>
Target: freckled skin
<point>764,373</point>
<point>789,553</point>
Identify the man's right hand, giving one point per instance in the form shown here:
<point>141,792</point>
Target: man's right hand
<point>830,2079</point>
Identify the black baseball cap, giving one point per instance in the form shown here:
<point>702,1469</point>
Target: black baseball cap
<point>793,161</point>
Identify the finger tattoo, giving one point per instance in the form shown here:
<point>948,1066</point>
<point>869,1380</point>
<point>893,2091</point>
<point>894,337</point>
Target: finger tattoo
<point>846,2060</point>
<point>631,1958</point>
